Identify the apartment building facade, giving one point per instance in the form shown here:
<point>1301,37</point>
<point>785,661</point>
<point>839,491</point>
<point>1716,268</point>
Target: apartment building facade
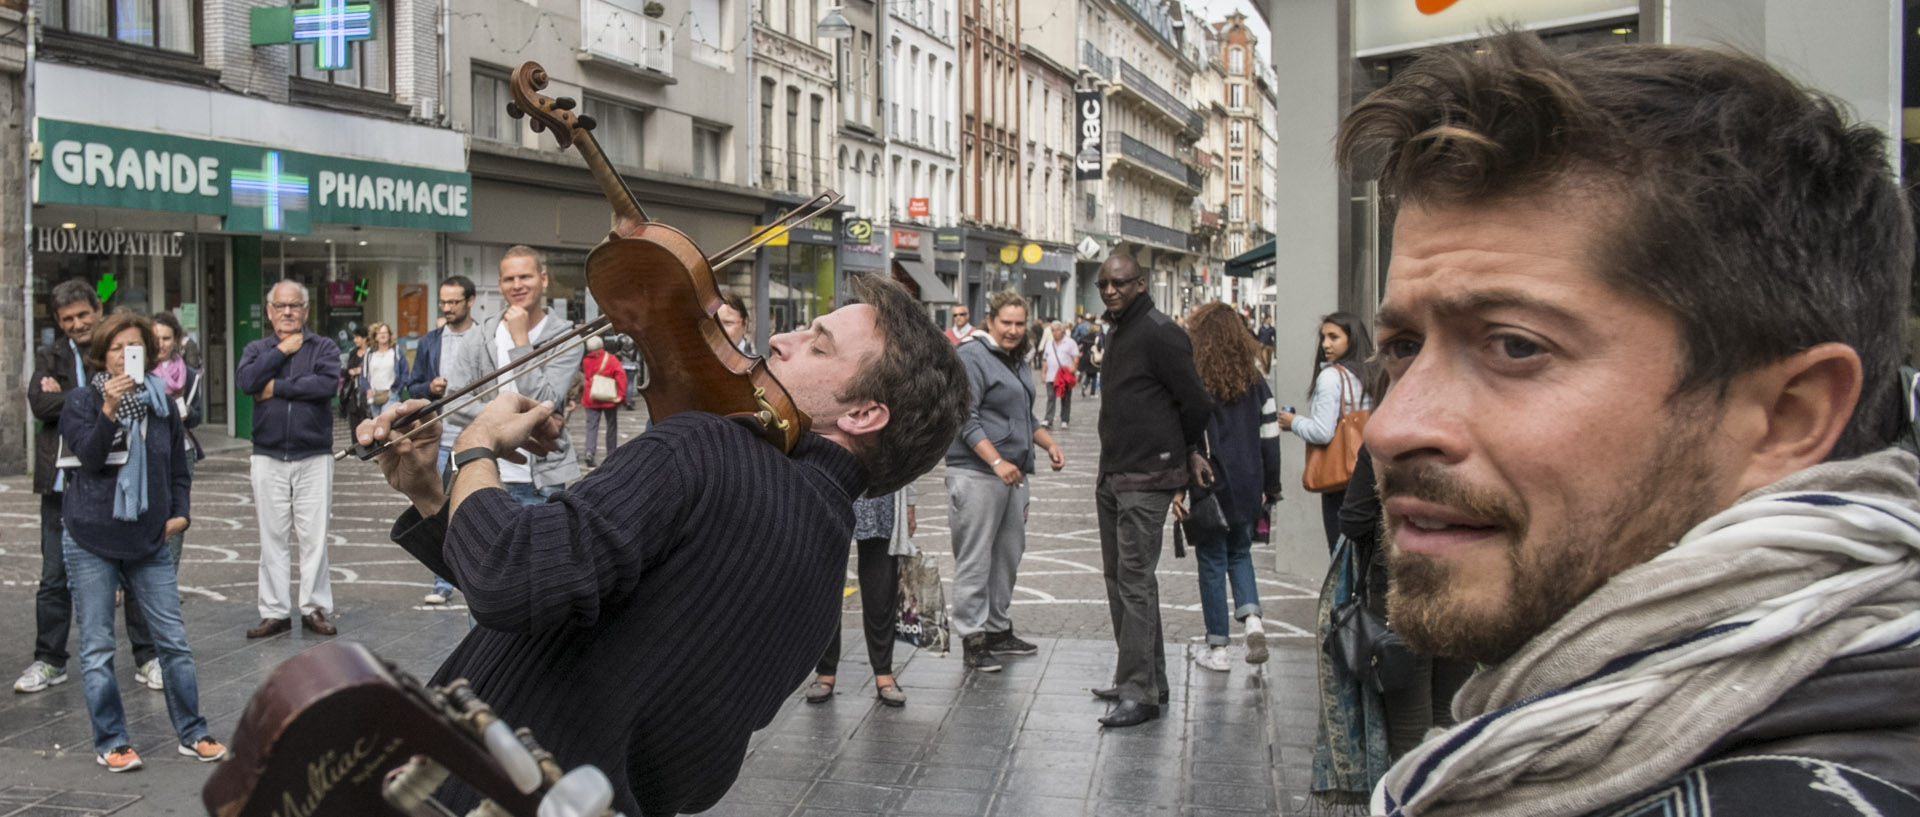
<point>990,194</point>
<point>922,153</point>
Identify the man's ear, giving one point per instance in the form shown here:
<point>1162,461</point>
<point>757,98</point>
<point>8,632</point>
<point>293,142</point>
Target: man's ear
<point>1801,404</point>
<point>864,418</point>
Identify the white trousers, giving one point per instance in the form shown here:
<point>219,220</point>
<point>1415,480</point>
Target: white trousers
<point>290,496</point>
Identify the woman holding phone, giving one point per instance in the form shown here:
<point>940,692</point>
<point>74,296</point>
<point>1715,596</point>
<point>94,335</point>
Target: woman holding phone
<point>126,496</point>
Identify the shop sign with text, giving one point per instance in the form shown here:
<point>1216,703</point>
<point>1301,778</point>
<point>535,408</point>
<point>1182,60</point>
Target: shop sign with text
<point>906,240</point>
<point>255,188</point>
<point>918,207</point>
<point>1087,158</point>
<point>107,242</point>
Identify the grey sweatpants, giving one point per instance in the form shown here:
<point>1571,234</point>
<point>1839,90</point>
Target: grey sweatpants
<point>989,523</point>
<point>1130,524</point>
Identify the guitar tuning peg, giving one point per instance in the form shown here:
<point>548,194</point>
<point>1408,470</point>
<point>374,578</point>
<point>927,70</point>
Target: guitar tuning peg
<point>514,111</point>
<point>588,123</point>
<point>565,103</point>
<point>537,125</point>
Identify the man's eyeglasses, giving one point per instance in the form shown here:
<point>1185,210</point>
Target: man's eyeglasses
<point>280,307</point>
<point>1115,283</point>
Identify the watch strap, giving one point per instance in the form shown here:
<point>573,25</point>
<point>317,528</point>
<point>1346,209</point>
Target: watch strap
<point>478,452</point>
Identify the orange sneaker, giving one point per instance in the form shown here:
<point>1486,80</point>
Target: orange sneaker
<point>205,750</point>
<point>121,759</point>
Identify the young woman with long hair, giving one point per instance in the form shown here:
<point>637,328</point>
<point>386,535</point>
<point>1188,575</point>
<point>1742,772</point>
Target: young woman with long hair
<point>1339,367</point>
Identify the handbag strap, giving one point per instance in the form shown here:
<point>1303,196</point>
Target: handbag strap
<point>1345,407</point>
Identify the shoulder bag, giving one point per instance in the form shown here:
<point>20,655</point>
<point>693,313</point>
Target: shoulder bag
<point>1358,640</point>
<point>1330,466</point>
<point>1205,521</point>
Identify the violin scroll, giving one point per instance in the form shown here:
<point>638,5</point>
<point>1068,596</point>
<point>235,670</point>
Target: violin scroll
<point>546,113</point>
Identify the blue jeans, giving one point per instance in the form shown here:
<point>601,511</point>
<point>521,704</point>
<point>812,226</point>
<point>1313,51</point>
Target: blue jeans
<point>93,580</point>
<point>1229,557</point>
<point>529,495</point>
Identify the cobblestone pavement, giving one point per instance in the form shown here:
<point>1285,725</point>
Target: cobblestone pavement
<point>1060,599</point>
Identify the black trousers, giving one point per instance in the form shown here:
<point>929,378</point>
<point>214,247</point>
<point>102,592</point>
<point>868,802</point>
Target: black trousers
<point>53,602</point>
<point>1330,515</point>
<point>879,596</point>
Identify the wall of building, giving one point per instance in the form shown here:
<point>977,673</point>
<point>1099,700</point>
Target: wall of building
<point>15,319</point>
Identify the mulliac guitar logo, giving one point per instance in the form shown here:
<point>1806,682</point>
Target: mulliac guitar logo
<point>1087,157</point>
<point>325,773</point>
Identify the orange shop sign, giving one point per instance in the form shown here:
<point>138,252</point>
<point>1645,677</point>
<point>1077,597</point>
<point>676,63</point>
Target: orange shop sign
<point>906,240</point>
<point>917,208</point>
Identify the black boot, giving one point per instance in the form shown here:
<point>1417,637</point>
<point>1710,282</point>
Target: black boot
<point>974,653</point>
<point>1130,713</point>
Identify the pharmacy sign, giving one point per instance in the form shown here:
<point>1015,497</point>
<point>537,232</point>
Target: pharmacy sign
<point>330,26</point>
<point>257,189</point>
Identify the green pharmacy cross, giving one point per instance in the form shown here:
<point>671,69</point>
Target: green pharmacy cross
<point>330,26</point>
<point>271,189</point>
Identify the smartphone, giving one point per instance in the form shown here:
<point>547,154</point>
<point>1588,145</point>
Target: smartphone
<point>1288,409</point>
<point>136,361</point>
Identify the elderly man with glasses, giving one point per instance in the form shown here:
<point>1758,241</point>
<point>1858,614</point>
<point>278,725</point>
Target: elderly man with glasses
<point>291,374</point>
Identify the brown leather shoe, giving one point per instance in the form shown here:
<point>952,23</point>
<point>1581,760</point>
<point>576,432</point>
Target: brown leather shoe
<point>270,626</point>
<point>316,622</point>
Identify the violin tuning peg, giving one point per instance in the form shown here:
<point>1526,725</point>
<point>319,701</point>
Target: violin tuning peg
<point>537,125</point>
<point>565,103</point>
<point>514,111</point>
<point>588,123</point>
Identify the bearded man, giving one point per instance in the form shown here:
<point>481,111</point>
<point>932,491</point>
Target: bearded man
<point>1643,319</point>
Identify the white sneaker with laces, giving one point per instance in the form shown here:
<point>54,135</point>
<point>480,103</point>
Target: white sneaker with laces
<point>149,674</point>
<point>39,676</point>
<point>1214,658</point>
<point>436,598</point>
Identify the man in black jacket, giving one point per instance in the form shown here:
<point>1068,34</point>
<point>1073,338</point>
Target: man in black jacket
<point>1150,430</point>
<point>56,371</point>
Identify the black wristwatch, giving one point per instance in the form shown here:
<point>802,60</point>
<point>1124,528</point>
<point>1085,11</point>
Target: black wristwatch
<point>478,452</point>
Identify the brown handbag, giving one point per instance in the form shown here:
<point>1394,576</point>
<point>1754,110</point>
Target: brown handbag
<point>1330,466</point>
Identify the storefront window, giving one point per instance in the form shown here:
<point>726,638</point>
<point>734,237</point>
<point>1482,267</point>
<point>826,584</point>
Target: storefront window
<point>357,277</point>
<point>799,285</point>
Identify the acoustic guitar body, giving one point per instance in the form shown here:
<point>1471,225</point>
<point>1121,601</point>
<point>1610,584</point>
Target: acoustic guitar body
<point>320,736</point>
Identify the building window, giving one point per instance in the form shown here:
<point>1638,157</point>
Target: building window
<point>1237,243</point>
<point>1236,207</point>
<point>1236,170</point>
<point>371,60</point>
<point>490,98</point>
<point>1236,60</point>
<point>708,26</point>
<point>1236,96</point>
<point>767,89</point>
<point>709,146</point>
<point>793,138</point>
<point>164,24</point>
<point>1237,133</point>
<point>619,130</point>
<point>814,158</point>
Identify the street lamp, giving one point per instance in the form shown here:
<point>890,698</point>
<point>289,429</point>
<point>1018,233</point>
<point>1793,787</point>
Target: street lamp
<point>834,26</point>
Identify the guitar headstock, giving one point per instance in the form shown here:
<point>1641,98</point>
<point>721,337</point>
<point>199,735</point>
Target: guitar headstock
<point>546,113</point>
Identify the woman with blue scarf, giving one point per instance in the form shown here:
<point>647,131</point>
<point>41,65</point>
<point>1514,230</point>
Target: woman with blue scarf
<point>126,493</point>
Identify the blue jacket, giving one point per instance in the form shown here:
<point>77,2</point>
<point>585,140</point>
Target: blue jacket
<point>1243,442</point>
<point>293,424</point>
<point>426,366</point>
<point>88,509</point>
<point>401,379</point>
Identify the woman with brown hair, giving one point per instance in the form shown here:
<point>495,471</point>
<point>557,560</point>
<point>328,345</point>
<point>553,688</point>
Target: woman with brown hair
<point>1243,447</point>
<point>383,370</point>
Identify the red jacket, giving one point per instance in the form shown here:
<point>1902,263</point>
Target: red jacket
<point>602,363</point>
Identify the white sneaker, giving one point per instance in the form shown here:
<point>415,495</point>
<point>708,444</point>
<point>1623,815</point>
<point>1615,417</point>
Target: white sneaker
<point>149,674</point>
<point>436,598</point>
<point>1214,658</point>
<point>39,676</point>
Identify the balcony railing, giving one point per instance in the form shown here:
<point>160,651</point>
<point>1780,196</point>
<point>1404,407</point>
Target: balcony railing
<point>1144,154</point>
<point>1134,228</point>
<point>1195,179</point>
<point>1093,60</point>
<point>1138,81</point>
<point>617,31</point>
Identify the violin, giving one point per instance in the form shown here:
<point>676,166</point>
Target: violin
<point>653,284</point>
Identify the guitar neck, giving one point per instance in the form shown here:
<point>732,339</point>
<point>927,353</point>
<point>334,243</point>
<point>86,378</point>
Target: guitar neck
<point>627,211</point>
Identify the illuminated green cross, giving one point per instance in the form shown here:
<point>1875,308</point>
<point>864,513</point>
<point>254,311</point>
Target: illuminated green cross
<point>330,26</point>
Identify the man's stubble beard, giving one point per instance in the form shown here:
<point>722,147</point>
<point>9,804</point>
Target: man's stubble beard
<point>1664,498</point>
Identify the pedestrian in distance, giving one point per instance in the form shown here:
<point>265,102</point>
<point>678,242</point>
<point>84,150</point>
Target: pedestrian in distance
<point>882,527</point>
<point>1242,447</point>
<point>129,492</point>
<point>383,374</point>
<point>1341,383</point>
<point>1062,356</point>
<point>290,375</point>
<point>600,363</point>
<point>987,467</point>
<point>1151,428</point>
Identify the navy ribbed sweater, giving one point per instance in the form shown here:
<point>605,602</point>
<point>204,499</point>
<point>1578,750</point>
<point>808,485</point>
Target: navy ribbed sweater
<point>657,613</point>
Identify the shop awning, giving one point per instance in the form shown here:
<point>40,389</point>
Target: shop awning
<point>1243,265</point>
<point>932,291</point>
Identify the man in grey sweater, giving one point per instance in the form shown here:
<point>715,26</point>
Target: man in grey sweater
<point>523,325</point>
<point>987,466</point>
